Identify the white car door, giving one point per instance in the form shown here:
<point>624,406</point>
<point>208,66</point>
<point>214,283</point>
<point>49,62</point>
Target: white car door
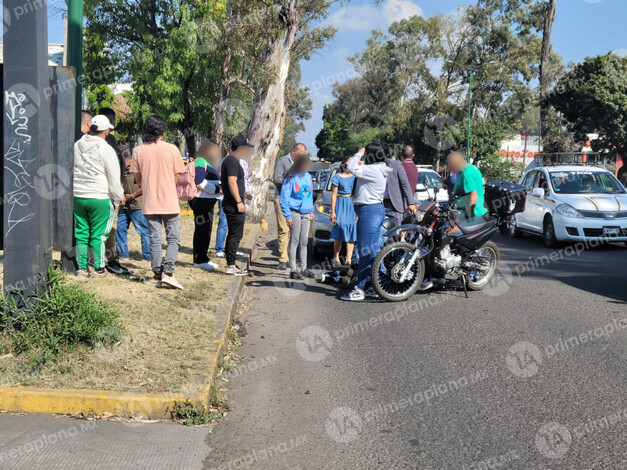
<point>523,219</point>
<point>539,205</point>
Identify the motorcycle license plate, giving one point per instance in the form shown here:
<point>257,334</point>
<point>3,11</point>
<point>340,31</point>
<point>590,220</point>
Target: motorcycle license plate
<point>611,231</point>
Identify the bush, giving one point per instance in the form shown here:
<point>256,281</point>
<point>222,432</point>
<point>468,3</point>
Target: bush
<point>493,168</point>
<point>61,319</point>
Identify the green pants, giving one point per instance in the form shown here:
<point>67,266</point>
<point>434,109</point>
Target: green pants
<point>93,219</point>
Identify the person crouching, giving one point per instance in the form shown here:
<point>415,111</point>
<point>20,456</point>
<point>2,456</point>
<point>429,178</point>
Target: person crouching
<point>297,206</point>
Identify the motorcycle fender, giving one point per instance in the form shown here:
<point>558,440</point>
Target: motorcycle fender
<point>396,231</point>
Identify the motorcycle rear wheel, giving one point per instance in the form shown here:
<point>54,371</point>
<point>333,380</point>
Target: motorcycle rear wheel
<point>386,269</point>
<point>488,250</point>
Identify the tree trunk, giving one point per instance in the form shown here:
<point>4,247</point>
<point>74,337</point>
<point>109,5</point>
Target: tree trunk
<point>266,127</point>
<point>219,115</point>
<point>545,63</point>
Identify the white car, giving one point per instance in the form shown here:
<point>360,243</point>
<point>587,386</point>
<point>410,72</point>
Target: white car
<point>572,204</point>
<point>428,183</point>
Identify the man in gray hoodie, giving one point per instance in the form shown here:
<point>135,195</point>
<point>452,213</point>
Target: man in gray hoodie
<point>281,167</point>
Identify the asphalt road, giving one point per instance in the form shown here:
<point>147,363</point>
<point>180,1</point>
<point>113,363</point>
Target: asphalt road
<point>529,374</point>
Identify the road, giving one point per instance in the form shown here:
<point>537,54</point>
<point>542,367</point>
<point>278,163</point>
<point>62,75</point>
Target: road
<point>526,375</point>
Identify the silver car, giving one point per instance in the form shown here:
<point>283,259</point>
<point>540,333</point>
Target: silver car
<point>321,225</point>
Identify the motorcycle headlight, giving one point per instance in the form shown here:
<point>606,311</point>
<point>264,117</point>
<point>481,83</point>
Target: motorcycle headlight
<point>568,211</point>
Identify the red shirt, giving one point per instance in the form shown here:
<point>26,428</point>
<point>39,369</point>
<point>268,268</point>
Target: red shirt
<point>412,173</point>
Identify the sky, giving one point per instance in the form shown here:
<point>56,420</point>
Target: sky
<point>582,28</point>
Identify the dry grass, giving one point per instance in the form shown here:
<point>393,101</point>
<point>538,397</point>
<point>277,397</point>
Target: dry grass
<point>167,336</point>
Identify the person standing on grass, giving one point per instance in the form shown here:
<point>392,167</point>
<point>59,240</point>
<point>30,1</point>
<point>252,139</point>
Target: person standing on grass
<point>297,207</point>
<point>222,225</point>
<point>157,166</point>
<point>130,213</point>
<point>207,181</point>
<point>234,190</point>
<point>97,192</point>
<point>281,167</point>
<point>343,215</point>
<point>407,156</point>
<point>113,263</point>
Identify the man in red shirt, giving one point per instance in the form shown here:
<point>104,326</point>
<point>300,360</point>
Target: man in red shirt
<point>407,155</point>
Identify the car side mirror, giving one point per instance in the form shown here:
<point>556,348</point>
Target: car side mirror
<point>537,192</point>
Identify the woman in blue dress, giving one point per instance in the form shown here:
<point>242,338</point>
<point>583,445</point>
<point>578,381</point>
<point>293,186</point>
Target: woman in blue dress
<point>343,215</point>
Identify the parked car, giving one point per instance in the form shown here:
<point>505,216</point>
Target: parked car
<point>428,183</point>
<point>572,203</point>
<point>321,225</point>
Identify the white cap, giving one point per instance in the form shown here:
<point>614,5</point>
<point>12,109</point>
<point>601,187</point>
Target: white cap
<point>101,122</point>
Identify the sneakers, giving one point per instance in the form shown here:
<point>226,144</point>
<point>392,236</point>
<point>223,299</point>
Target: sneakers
<point>82,273</point>
<point>235,271</point>
<point>114,267</point>
<point>308,273</point>
<point>219,254</point>
<point>282,266</point>
<point>169,280</point>
<point>296,276</point>
<point>99,273</point>
<point>371,293</point>
<point>208,266</point>
<point>355,295</point>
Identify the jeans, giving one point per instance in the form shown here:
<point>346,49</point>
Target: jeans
<point>235,221</point>
<point>203,223</point>
<point>125,218</point>
<point>299,236</point>
<point>172,223</point>
<point>222,227</point>
<point>370,218</point>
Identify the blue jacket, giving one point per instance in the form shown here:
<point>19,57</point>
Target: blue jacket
<point>297,195</point>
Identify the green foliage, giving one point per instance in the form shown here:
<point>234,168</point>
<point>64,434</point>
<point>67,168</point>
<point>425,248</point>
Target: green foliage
<point>99,96</point>
<point>62,319</point>
<point>592,97</point>
<point>333,141</point>
<point>190,415</point>
<point>493,168</point>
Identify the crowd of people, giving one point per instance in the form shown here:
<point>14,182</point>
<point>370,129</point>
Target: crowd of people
<point>113,189</point>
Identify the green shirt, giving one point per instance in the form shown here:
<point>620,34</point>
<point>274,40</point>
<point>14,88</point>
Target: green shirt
<point>470,180</point>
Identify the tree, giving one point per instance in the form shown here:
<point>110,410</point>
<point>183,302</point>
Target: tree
<point>592,97</point>
<point>99,96</point>
<point>333,139</point>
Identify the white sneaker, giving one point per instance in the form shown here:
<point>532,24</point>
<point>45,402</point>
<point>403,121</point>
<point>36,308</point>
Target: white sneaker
<point>355,295</point>
<point>239,253</point>
<point>235,271</point>
<point>211,263</point>
<point>371,293</point>
<point>219,254</point>
<point>209,266</point>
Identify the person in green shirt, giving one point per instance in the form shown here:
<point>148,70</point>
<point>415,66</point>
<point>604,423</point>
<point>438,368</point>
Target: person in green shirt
<point>469,186</point>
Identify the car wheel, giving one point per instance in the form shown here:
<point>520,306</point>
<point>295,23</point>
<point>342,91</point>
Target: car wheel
<point>550,241</point>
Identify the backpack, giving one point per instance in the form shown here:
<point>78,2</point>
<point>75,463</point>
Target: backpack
<point>186,189</point>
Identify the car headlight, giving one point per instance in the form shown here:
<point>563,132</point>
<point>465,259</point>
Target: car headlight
<point>323,209</point>
<point>568,211</point>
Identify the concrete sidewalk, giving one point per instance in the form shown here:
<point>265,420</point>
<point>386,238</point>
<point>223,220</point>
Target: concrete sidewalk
<point>49,442</point>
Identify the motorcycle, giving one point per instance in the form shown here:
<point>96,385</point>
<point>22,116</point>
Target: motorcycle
<point>437,242</point>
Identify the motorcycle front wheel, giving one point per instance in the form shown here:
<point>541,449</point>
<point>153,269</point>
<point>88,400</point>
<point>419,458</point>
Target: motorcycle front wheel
<point>387,269</point>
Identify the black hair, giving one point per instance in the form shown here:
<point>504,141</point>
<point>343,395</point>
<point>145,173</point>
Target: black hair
<point>109,113</point>
<point>154,127</point>
<point>374,154</point>
<point>344,165</point>
<point>408,152</point>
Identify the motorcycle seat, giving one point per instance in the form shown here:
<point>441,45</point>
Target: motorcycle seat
<point>476,224</point>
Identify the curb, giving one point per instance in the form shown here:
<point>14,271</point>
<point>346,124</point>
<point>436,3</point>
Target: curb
<point>130,404</point>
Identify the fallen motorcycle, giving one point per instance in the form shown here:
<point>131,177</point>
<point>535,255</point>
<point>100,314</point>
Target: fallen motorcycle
<point>436,242</point>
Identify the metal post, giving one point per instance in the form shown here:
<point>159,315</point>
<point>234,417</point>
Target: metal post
<point>27,146</point>
<point>469,112</point>
<point>75,53</point>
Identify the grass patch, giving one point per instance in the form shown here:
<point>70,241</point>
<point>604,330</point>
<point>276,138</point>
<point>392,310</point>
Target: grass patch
<point>62,319</point>
<point>185,412</point>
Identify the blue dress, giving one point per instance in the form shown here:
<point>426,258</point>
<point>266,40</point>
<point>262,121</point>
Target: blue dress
<point>345,228</point>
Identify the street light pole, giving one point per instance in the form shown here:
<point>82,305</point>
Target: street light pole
<point>469,112</point>
<point>75,54</point>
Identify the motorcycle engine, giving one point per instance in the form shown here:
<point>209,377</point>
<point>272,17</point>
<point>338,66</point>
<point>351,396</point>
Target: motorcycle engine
<point>447,260</point>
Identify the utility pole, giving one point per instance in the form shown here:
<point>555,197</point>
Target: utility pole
<point>27,147</point>
<point>75,54</point>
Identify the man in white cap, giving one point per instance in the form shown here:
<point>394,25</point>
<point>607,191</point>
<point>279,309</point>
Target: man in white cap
<point>97,193</point>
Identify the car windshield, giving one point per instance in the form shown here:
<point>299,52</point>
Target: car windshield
<point>429,179</point>
<point>585,182</point>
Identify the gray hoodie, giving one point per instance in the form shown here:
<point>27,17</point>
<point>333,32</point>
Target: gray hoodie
<point>96,170</point>
<point>371,180</point>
